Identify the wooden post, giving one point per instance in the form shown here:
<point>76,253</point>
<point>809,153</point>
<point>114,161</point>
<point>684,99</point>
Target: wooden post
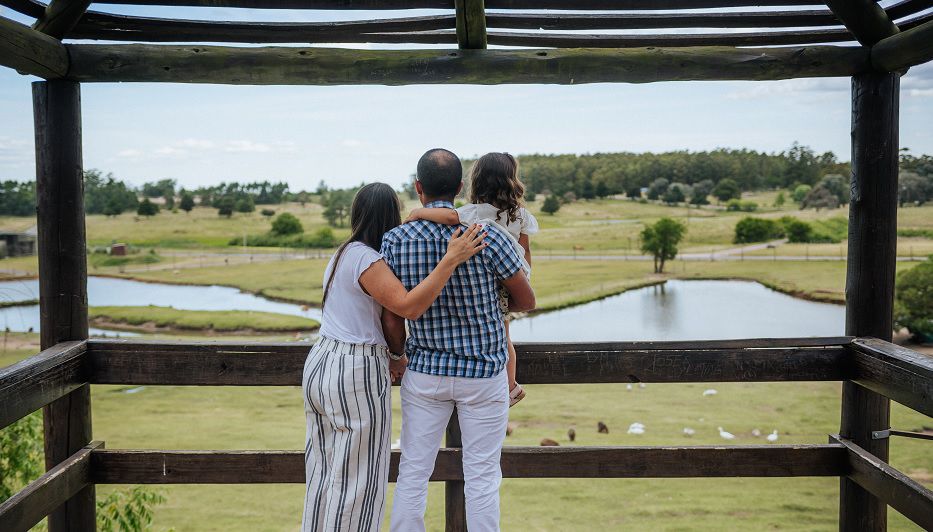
<point>63,276</point>
<point>870,274</point>
<point>454,499</point>
<point>471,24</point>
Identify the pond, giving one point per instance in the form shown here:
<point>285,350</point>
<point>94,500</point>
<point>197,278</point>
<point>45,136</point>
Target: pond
<point>677,310</point>
<point>104,291</point>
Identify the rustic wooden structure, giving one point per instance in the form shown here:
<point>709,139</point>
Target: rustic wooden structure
<point>787,42</point>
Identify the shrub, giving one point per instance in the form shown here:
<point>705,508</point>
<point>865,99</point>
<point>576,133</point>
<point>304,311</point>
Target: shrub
<point>286,224</point>
<point>797,231</point>
<point>551,205</point>
<point>913,300</point>
<point>268,213</point>
<point>674,195</point>
<point>225,207</point>
<point>187,202</point>
<point>147,208</point>
<point>735,205</point>
<point>801,192</point>
<point>750,229</point>
<point>726,190</point>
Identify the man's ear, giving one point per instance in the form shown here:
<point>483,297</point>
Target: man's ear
<point>418,188</point>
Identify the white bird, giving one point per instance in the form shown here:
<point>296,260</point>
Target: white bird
<point>709,392</point>
<point>773,436</point>
<point>689,432</point>
<point>628,387</point>
<point>397,444</point>
<point>641,385</point>
<point>725,435</point>
<point>636,428</point>
<point>756,433</point>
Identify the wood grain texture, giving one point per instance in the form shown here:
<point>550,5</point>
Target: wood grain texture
<point>111,466</point>
<point>866,19</point>
<point>30,505</point>
<point>870,273</point>
<point>607,21</point>
<point>323,66</point>
<point>889,485</point>
<point>906,49</point>
<point>129,362</point>
<point>30,384</point>
<point>471,26</point>
<point>576,40</point>
<point>580,5</point>
<point>61,16</point>
<point>31,52</point>
<point>895,372</point>
<point>62,277</point>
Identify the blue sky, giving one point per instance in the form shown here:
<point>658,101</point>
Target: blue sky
<point>203,134</point>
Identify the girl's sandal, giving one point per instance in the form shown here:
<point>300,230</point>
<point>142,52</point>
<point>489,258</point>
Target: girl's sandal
<point>516,394</point>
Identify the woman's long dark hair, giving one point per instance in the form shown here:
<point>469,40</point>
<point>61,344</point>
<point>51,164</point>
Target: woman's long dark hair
<point>375,210</point>
<point>494,180</point>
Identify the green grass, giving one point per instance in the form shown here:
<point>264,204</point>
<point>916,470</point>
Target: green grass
<point>145,318</point>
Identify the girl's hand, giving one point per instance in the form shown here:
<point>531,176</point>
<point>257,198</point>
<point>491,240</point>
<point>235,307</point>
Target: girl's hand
<point>463,245</point>
<point>414,216</point>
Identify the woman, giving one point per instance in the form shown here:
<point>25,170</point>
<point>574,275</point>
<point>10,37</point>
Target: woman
<point>346,378</point>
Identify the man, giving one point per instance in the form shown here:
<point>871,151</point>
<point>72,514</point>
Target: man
<point>457,353</point>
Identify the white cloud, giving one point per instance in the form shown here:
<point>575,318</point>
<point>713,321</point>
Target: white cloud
<point>247,146</point>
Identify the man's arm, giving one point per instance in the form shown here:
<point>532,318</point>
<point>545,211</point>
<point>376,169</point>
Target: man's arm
<point>521,295</point>
<point>393,328</point>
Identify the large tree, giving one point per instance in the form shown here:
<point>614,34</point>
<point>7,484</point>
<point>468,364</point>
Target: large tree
<point>661,239</point>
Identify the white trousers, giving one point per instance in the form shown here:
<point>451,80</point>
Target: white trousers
<point>483,410</point>
<point>349,416</point>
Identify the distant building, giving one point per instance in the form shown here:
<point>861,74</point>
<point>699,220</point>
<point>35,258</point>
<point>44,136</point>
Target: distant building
<point>18,244</point>
<point>118,250</point>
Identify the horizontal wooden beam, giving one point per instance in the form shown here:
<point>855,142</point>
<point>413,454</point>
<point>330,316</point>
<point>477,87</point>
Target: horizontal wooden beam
<point>26,508</point>
<point>128,28</point>
<point>251,467</point>
<point>866,19</point>
<point>896,372</point>
<point>906,8</point>
<point>328,66</point>
<point>576,40</point>
<point>128,362</point>
<point>30,384</point>
<point>906,49</point>
<point>578,5</point>
<point>31,52</point>
<point>30,8</point>
<point>61,16</point>
<point>896,489</point>
<point>620,21</point>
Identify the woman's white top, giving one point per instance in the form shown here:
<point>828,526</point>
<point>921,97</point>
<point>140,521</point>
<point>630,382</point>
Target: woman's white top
<point>350,314</point>
<point>524,223</point>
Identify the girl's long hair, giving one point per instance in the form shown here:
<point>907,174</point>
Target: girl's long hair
<point>494,180</point>
<point>375,210</point>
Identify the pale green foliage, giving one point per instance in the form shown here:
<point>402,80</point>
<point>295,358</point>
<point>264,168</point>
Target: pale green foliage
<point>127,510</point>
<point>660,240</point>
<point>20,454</point>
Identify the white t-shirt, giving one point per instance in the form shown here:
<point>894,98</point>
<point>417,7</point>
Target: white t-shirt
<point>525,223</point>
<point>350,314</point>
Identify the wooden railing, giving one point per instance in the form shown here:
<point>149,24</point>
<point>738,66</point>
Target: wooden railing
<point>900,374</point>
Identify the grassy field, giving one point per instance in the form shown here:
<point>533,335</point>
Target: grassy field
<point>178,417</point>
<point>152,318</point>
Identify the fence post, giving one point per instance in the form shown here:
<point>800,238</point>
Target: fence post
<point>63,277</point>
<point>454,500</point>
<point>870,275</point>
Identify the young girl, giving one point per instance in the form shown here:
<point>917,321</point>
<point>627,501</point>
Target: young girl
<point>496,195</point>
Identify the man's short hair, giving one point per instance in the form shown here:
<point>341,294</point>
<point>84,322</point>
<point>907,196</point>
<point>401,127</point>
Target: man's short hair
<point>440,173</point>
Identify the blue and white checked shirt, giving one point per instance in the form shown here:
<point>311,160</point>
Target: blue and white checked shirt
<point>462,334</point>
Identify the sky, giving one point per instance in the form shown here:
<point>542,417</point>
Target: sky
<point>205,134</point>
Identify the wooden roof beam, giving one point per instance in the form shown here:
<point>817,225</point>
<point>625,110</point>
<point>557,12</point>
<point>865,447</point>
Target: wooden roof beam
<point>471,24</point>
<point>864,18</point>
<point>906,49</point>
<point>31,52</point>
<point>577,5</point>
<point>334,66</point>
<point>30,8</point>
<point>61,16</point>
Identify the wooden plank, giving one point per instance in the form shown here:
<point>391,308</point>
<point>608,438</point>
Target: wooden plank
<point>62,276</point>
<point>618,21</point>
<point>867,20</point>
<point>31,52</point>
<point>906,8</point>
<point>471,27</point>
<point>128,28</point>
<point>870,273</point>
<point>128,362</point>
<point>908,48</point>
<point>894,488</point>
<point>575,40</point>
<point>30,8</point>
<point>36,381</point>
<point>61,16</point>
<point>27,507</point>
<point>124,466</point>
<point>895,372</point>
<point>579,5</point>
<point>329,66</point>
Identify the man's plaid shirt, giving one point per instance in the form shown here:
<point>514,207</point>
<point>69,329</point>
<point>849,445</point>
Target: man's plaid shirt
<point>462,334</point>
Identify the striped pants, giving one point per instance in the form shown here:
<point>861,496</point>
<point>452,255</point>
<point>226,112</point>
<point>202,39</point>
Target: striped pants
<point>347,399</point>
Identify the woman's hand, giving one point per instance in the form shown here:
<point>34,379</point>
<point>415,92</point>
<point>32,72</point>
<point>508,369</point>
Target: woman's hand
<point>463,245</point>
<point>397,368</point>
